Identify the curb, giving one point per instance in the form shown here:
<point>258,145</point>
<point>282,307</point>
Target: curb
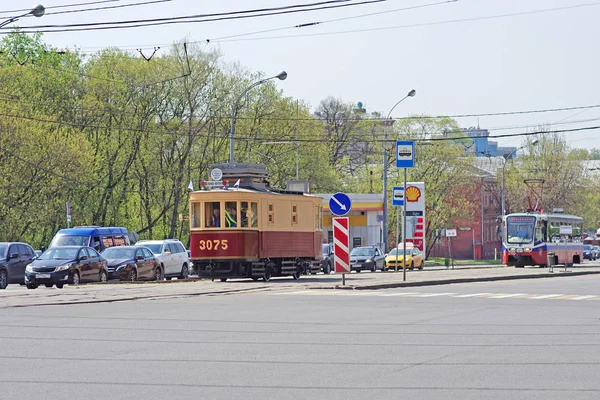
<point>459,280</point>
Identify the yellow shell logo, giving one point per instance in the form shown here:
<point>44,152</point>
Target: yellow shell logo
<point>413,193</point>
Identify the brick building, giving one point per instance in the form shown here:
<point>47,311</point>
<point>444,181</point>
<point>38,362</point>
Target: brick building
<point>477,236</point>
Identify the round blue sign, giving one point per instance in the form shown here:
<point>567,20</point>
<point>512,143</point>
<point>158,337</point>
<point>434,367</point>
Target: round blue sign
<point>340,204</point>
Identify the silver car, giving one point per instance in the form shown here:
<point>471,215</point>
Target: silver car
<point>171,254</point>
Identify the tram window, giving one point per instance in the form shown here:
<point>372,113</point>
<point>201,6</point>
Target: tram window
<point>231,214</point>
<point>271,213</point>
<point>253,215</point>
<point>212,213</point>
<point>294,213</point>
<point>196,215</point>
<point>244,212</point>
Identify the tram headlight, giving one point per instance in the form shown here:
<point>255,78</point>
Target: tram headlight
<point>528,249</point>
<point>519,250</point>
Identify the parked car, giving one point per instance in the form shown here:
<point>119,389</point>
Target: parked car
<point>100,238</point>
<point>172,256</point>
<point>588,252</point>
<point>66,264</point>
<point>131,263</point>
<point>367,258</point>
<point>14,257</point>
<point>327,261</point>
<point>596,250</point>
<point>414,258</point>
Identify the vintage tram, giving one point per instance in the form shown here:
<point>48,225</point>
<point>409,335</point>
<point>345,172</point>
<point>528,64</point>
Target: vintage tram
<point>251,230</point>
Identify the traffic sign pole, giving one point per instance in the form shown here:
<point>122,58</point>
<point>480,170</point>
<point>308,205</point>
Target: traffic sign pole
<point>404,232</point>
<point>341,246</point>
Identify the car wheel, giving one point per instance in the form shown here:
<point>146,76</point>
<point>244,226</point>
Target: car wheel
<point>31,286</point>
<point>374,268</point>
<point>3,279</point>
<point>103,276</point>
<point>358,271</point>
<point>327,270</point>
<point>48,285</point>
<point>132,276</point>
<point>185,272</point>
<point>158,274</point>
<point>411,265</point>
<point>421,266</point>
<point>59,285</point>
<point>76,279</point>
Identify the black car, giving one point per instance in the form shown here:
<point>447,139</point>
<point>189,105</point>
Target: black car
<point>66,264</point>
<point>327,261</point>
<point>14,257</point>
<point>367,258</point>
<point>130,263</point>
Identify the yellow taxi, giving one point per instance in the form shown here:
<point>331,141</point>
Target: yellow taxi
<point>414,258</point>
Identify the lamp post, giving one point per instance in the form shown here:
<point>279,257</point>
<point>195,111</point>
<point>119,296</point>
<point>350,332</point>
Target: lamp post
<point>412,93</point>
<point>281,76</point>
<point>36,11</point>
<point>535,142</point>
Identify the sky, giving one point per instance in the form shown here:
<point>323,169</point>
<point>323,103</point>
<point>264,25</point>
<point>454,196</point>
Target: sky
<point>460,56</point>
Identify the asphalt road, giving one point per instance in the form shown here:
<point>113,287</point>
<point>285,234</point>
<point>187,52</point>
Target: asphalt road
<point>524,339</point>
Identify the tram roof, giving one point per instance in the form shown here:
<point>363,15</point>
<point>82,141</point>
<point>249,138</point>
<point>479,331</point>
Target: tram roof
<point>271,191</point>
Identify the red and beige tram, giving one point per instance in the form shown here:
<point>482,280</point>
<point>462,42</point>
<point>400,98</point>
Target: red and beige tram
<point>253,231</point>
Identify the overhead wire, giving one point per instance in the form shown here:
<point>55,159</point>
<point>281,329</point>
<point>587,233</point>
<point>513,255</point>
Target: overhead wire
<point>452,21</point>
<point>109,7</point>
<point>235,15</point>
<point>62,6</point>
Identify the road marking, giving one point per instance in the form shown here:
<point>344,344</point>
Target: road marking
<point>545,296</point>
<point>582,297</point>
<point>399,294</point>
<point>474,295</point>
<point>436,294</point>
<point>565,297</point>
<point>506,296</point>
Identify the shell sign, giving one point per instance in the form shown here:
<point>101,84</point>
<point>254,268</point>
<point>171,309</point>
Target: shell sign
<point>413,194</point>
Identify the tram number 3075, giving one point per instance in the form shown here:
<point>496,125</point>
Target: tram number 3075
<point>213,244</point>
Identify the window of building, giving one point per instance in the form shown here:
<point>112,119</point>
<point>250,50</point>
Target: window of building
<point>196,215</point>
<point>271,213</point>
<point>212,214</point>
<point>231,214</point>
<point>294,213</point>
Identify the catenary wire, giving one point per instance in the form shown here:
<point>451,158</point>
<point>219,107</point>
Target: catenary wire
<point>177,20</point>
<point>62,6</point>
<point>109,7</point>
<point>487,17</point>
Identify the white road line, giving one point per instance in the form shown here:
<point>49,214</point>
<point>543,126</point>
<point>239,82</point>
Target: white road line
<point>473,295</point>
<point>400,294</point>
<point>582,298</point>
<point>545,296</point>
<point>506,296</point>
<point>436,294</point>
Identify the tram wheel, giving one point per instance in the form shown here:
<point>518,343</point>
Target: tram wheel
<point>223,279</point>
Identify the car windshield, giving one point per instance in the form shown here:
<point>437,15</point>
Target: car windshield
<point>70,240</point>
<point>399,252</point>
<point>587,247</point>
<point>3,251</point>
<point>361,251</point>
<point>59,254</point>
<point>118,252</point>
<point>154,247</point>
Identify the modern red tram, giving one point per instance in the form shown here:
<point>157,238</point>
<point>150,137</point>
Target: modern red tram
<point>527,238</point>
<point>252,230</point>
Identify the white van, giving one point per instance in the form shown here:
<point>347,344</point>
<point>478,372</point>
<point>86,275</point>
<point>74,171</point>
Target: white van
<point>171,254</point>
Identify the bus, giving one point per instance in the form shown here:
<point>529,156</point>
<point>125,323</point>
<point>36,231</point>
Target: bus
<point>527,238</point>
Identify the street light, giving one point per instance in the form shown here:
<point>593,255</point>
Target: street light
<point>412,93</point>
<point>36,11</point>
<point>534,143</point>
<point>281,76</point>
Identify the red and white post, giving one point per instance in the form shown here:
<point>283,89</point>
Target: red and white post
<point>341,243</point>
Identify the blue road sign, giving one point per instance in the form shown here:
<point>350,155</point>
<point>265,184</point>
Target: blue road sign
<point>340,204</point>
<point>398,196</point>
<point>405,154</point>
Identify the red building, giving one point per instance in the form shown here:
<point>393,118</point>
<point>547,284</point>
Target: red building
<point>477,237</point>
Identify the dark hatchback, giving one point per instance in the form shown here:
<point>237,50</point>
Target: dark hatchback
<point>367,258</point>
<point>130,263</point>
<point>66,264</point>
<point>14,257</point>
